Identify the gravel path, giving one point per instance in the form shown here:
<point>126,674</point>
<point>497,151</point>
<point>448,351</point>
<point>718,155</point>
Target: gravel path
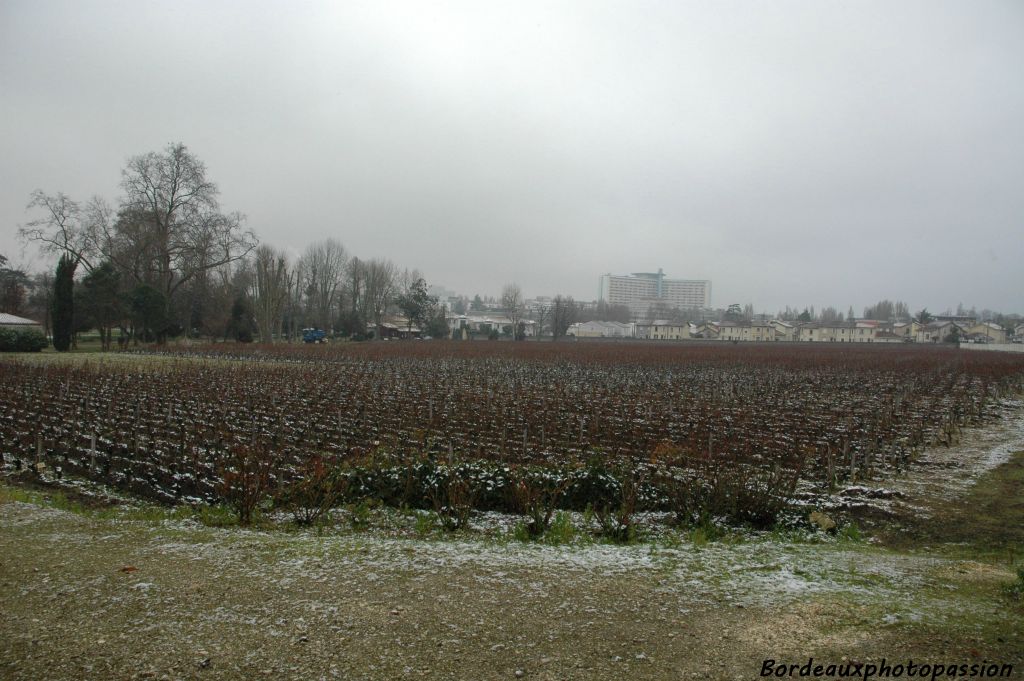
<point>109,599</point>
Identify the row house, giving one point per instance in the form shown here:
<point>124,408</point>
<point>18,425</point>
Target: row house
<point>661,329</point>
<point>861,331</point>
<point>784,331</point>
<point>987,332</point>
<point>746,331</point>
<point>937,331</point>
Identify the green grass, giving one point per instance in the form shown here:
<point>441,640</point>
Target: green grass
<point>985,524</point>
<point>212,516</point>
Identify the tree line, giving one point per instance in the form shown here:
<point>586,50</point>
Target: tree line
<point>167,261</point>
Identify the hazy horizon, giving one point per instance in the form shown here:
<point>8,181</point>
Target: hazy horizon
<point>794,153</point>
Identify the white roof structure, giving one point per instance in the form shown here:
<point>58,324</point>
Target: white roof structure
<point>14,320</point>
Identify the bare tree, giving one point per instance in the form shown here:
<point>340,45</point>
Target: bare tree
<point>380,280</point>
<point>170,228</point>
<point>269,290</point>
<point>512,301</point>
<point>542,315</point>
<point>40,300</point>
<point>295,298</point>
<point>65,227</point>
<point>323,267</point>
<point>352,303</point>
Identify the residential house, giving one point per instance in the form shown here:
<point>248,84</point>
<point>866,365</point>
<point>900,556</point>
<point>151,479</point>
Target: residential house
<point>746,331</point>
<point>939,331</point>
<point>987,332</point>
<point>906,330</point>
<point>10,321</point>
<point>662,329</point>
<point>706,330</point>
<point>784,331</point>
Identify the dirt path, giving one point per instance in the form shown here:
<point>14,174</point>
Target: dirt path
<point>209,603</point>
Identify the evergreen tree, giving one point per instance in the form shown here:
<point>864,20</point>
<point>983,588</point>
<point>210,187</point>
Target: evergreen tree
<point>101,302</point>
<point>417,305</point>
<point>147,305</point>
<point>63,303</point>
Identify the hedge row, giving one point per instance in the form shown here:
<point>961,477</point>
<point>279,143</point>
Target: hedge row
<point>17,340</point>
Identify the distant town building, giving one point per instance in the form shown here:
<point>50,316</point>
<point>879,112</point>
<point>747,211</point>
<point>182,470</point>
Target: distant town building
<point>987,332</point>
<point>466,326</point>
<point>602,330</point>
<point>663,329</point>
<point>641,291</point>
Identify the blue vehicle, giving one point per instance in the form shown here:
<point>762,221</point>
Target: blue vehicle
<point>314,336</point>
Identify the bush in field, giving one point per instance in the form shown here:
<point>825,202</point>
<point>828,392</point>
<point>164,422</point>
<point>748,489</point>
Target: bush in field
<point>537,494</point>
<point>314,493</point>
<point>19,340</point>
<point>594,486</point>
<point>699,486</point>
<point>245,479</point>
<point>617,518</point>
<point>453,495</point>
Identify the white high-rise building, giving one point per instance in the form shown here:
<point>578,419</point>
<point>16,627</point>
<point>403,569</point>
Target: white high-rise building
<point>642,290</point>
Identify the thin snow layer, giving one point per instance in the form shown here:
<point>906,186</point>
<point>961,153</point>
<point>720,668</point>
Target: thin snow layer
<point>759,572</point>
<point>941,474</point>
<point>756,573</point>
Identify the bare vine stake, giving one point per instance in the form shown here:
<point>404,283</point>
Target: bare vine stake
<point>524,440</point>
<point>39,447</point>
<point>92,452</point>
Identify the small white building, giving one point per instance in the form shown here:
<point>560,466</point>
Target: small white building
<point>595,329</point>
<point>464,326</point>
<point>10,321</point>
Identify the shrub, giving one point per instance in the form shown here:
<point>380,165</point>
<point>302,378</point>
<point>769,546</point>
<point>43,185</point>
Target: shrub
<point>1015,590</point>
<point>245,479</point>
<point>453,492</point>
<point>21,340</point>
<point>360,517</point>
<point>726,487</point>
<point>317,491</point>
<point>616,519</point>
<point>562,531</point>
<point>537,494</point>
<point>424,524</point>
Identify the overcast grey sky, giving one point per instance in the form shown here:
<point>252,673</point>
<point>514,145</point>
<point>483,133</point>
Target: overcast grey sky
<point>792,152</point>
